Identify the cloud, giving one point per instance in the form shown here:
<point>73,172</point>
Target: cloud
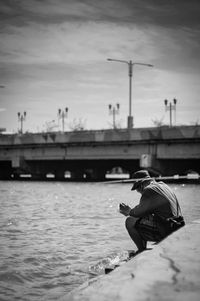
<point>165,12</point>
<point>72,40</point>
<point>53,53</point>
<point>70,43</point>
<point>49,11</point>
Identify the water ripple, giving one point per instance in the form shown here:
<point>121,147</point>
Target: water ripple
<point>55,236</point>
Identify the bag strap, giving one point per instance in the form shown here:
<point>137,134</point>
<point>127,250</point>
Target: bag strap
<point>178,208</point>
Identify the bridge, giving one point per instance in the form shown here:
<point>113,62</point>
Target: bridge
<point>91,154</point>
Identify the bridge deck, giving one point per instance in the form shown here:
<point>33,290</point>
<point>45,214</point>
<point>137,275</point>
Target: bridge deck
<point>118,135</point>
<point>164,150</point>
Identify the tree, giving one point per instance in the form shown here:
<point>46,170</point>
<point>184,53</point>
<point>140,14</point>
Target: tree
<point>158,122</point>
<point>78,125</point>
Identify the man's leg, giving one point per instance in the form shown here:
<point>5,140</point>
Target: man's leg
<point>134,234</point>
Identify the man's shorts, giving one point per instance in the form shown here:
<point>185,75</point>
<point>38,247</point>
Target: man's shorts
<point>148,228</point>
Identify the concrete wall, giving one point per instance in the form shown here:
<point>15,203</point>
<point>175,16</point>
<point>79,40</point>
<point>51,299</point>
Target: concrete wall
<point>168,272</point>
<point>166,150</point>
<point>139,134</point>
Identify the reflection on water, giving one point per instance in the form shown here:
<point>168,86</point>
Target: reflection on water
<point>56,235</point>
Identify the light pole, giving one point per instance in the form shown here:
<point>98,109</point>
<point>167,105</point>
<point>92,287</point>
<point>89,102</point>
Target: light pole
<point>21,119</point>
<point>169,107</point>
<point>114,110</point>
<point>130,73</point>
<point>61,115</point>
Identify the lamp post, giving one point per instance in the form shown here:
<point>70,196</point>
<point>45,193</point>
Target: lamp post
<point>169,107</point>
<point>61,115</point>
<point>113,110</point>
<point>130,74</point>
<point>21,119</point>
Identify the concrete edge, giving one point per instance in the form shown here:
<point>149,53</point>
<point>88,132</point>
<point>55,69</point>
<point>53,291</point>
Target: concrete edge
<point>172,266</point>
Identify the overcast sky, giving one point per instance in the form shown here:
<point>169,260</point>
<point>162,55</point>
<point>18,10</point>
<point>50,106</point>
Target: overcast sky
<point>53,54</point>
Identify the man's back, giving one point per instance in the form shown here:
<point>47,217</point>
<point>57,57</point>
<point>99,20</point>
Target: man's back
<point>156,198</point>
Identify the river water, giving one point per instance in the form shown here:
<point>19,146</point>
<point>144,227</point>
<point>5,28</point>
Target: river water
<point>56,235</point>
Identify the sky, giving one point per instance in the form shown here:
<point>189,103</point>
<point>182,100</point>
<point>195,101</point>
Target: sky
<point>53,55</point>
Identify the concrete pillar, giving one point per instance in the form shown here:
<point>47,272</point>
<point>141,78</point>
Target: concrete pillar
<point>130,122</point>
<point>150,162</point>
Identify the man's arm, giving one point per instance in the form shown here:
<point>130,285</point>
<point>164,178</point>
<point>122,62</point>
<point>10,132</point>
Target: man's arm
<point>148,203</point>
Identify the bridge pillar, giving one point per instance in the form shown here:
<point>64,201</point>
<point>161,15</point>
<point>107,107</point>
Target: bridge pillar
<point>150,162</point>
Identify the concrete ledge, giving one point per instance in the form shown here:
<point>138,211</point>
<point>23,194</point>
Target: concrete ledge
<point>171,271</point>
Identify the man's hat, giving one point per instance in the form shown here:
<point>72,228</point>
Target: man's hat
<point>140,176</point>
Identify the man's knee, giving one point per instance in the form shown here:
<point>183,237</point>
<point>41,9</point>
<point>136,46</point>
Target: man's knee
<point>130,222</point>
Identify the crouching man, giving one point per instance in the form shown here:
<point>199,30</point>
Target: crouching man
<point>156,216</point>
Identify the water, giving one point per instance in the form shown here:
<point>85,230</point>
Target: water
<point>56,235</point>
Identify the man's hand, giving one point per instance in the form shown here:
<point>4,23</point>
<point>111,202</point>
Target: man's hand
<point>124,209</point>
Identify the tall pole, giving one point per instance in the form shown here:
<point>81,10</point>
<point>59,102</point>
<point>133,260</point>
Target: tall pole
<point>21,125</point>
<point>170,107</point>
<point>175,102</point>
<point>63,121</point>
<point>21,119</point>
<point>61,115</point>
<point>170,114</point>
<point>114,111</point>
<point>130,118</point>
<point>130,73</point>
<point>114,118</point>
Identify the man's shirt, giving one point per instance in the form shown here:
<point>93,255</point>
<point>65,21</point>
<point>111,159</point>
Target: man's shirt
<point>157,198</point>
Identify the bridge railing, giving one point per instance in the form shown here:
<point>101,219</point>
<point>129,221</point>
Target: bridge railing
<point>137,134</point>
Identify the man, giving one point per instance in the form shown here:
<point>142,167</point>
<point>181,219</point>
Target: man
<point>157,215</point>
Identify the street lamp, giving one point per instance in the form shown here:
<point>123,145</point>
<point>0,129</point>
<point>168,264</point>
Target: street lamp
<point>61,115</point>
<point>169,107</point>
<point>21,119</point>
<point>130,73</point>
<point>113,110</point>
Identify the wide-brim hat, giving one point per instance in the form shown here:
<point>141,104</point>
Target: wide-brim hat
<point>139,177</point>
